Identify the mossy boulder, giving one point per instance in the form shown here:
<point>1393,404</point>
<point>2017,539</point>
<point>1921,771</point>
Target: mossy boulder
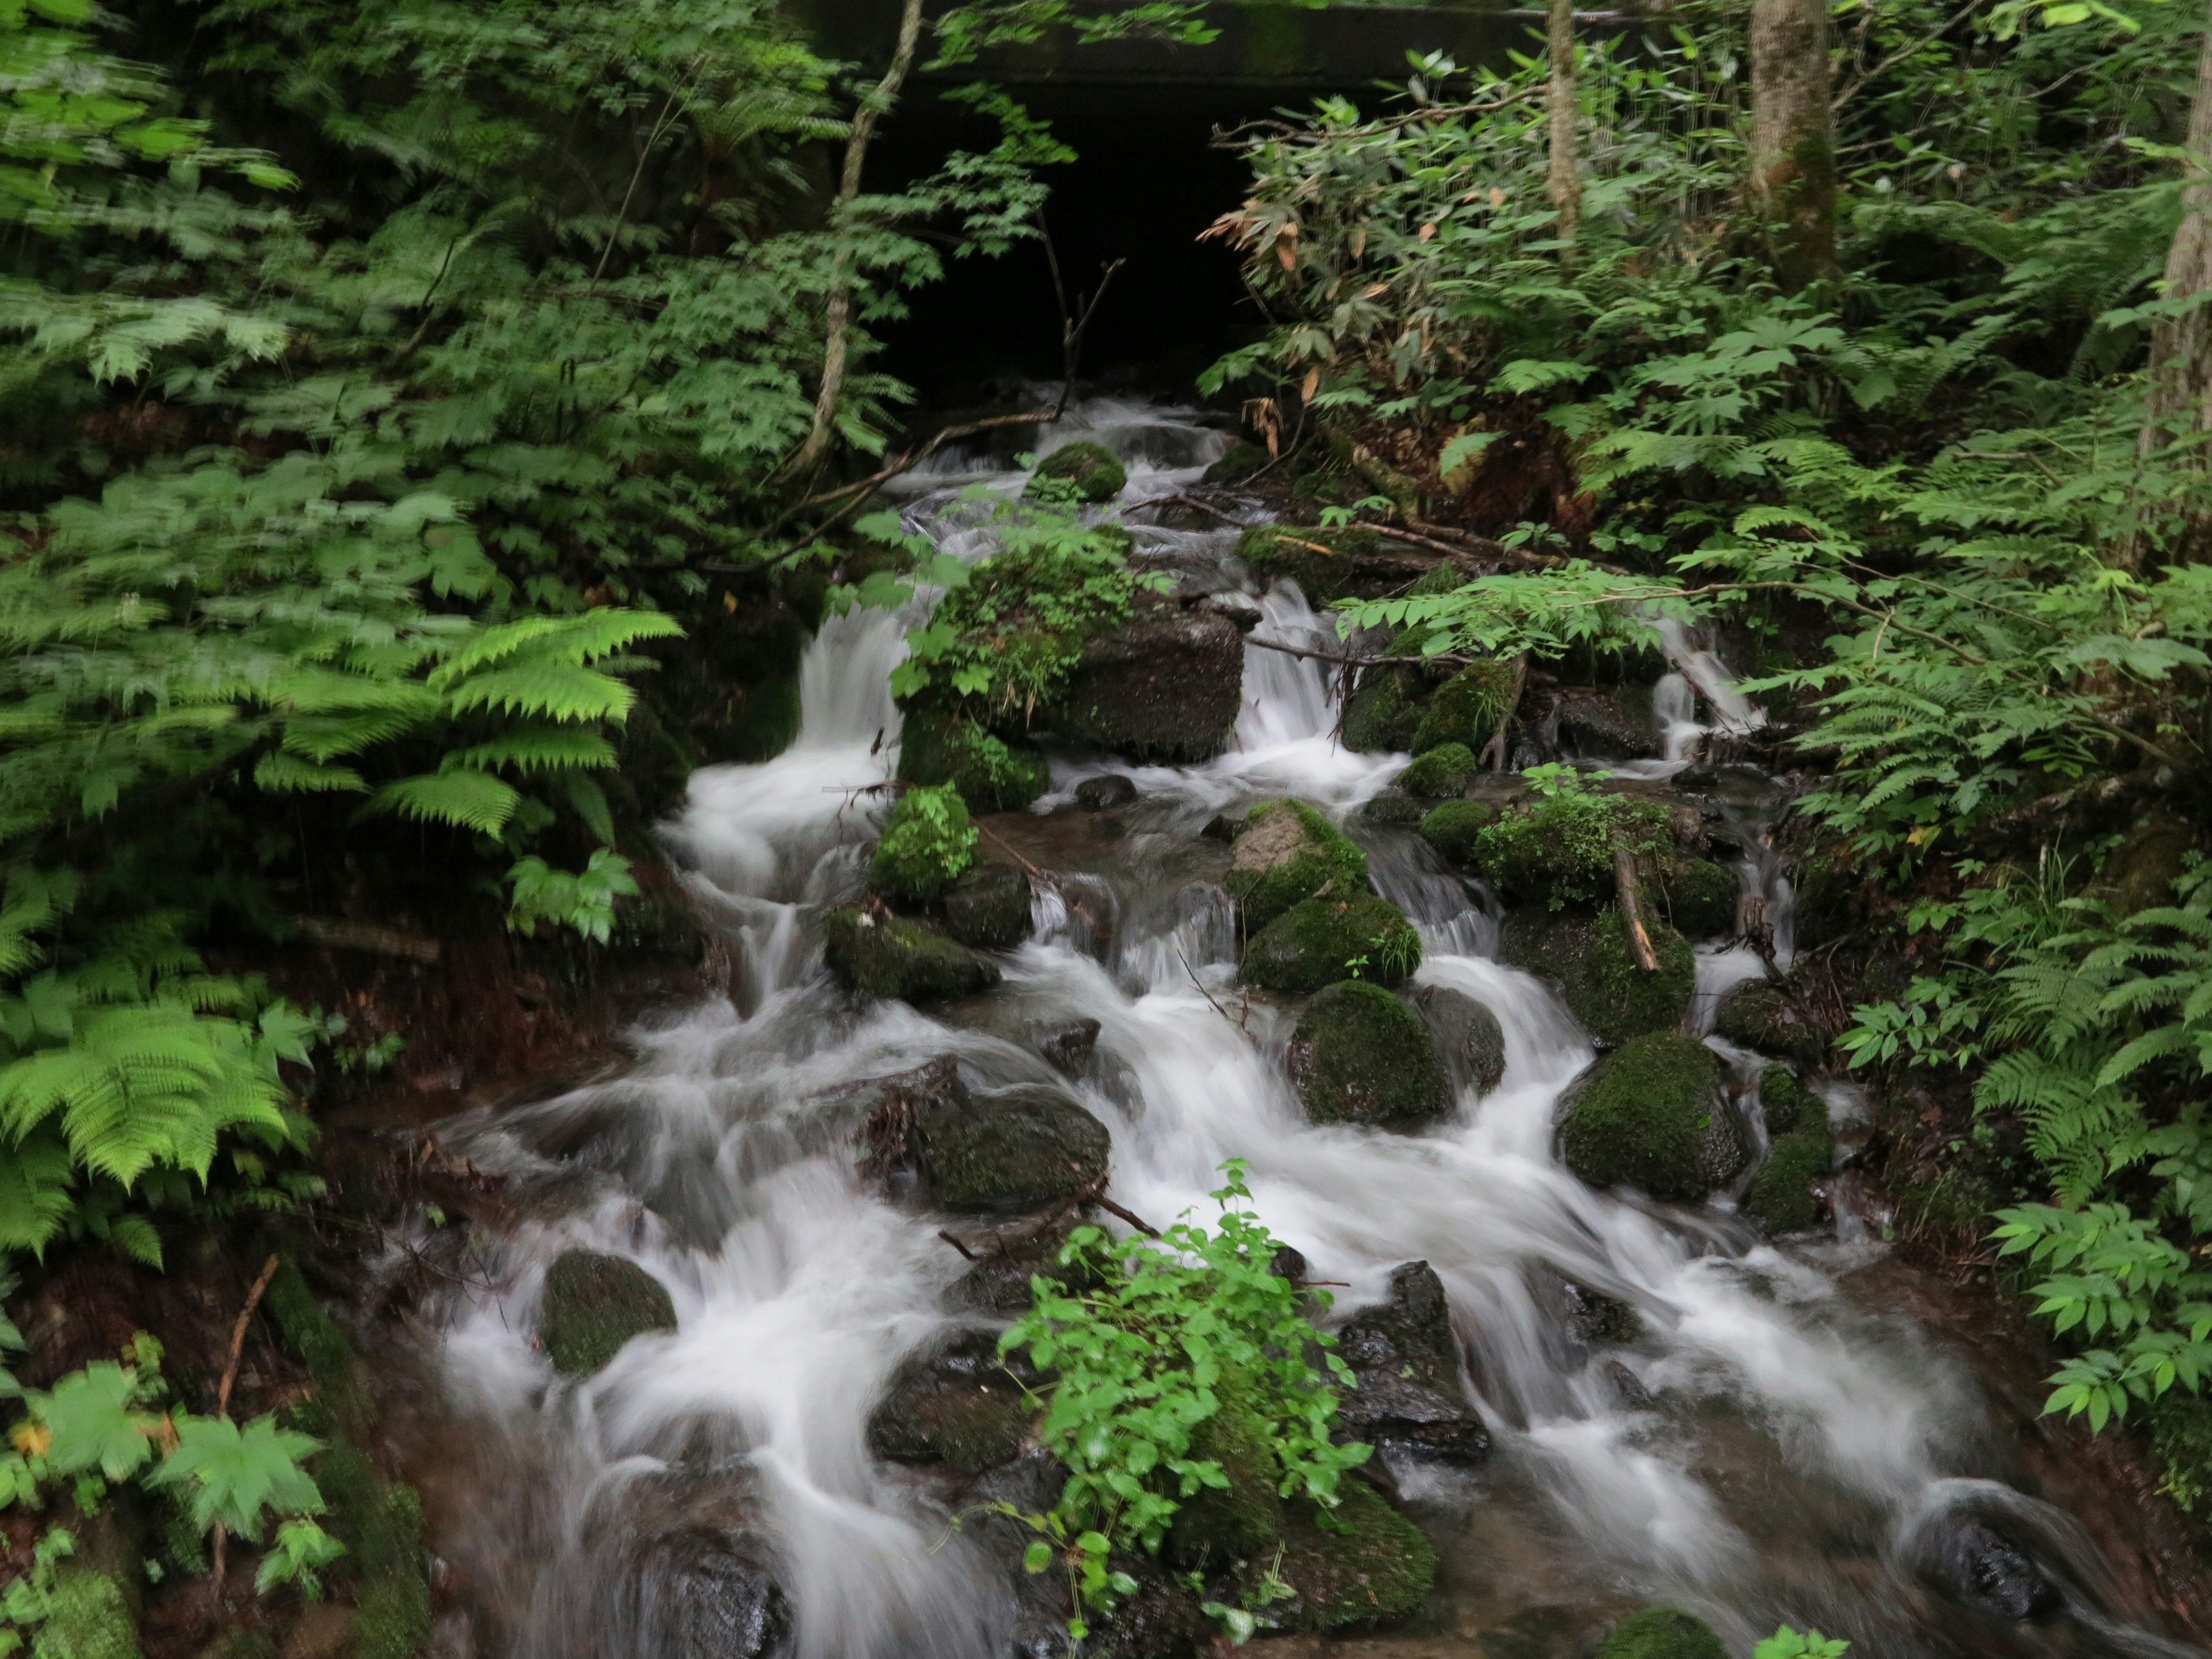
<point>1440,774</point>
<point>1360,1055</point>
<point>1642,1117</point>
<point>1403,810</point>
<point>956,1403</point>
<point>1560,850</point>
<point>1455,827</point>
<point>1320,561</point>
<point>593,1305</point>
<point>1382,717</point>
<point>1287,852</point>
<point>1786,1103</point>
<point>89,1619</point>
<point>1166,684</point>
<point>1764,1016</point>
<point>1319,941</point>
<point>1697,896</point>
<point>1220,1527</point>
<point>1092,470</point>
<point>988,908</point>
<point>1662,1633</point>
<point>1238,462</point>
<point>1469,707</point>
<point>1018,1149</point>
<point>928,841</point>
<point>888,956</point>
<point>1373,1566</point>
<point>1592,961</point>
<point>1467,1035</point>
<point>1785,1195</point>
<point>992,775</point>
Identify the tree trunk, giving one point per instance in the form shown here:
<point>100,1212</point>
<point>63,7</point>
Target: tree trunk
<point>838,314</point>
<point>1566,188</point>
<point>2181,347</point>
<point>1793,136</point>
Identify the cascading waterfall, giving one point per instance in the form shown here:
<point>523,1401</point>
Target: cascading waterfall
<point>1774,1451</point>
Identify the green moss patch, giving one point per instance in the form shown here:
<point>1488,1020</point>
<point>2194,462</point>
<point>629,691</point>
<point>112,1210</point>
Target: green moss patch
<point>89,1619</point>
<point>1360,1055</point>
<point>1090,470</point>
<point>1662,1633</point>
<point>992,775</point>
<point>1786,1103</point>
<point>593,1305</point>
<point>1766,1019</point>
<point>1319,561</point>
<point>1238,462</point>
<point>1559,851</point>
<point>1699,898</point>
<point>1469,707</point>
<point>888,955</point>
<point>1455,827</point>
<point>1382,718</point>
<point>1020,1149</point>
<point>1288,852</point>
<point>1319,941</point>
<point>1592,960</point>
<point>1401,810</point>
<point>988,908</point>
<point>1640,1117</point>
<point>1440,774</point>
<point>1379,1568</point>
<point>1782,1196</point>
<point>956,1403</point>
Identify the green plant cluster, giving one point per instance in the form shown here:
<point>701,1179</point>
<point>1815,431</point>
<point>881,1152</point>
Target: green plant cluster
<point>1143,1347</point>
<point>928,841</point>
<point>1561,848</point>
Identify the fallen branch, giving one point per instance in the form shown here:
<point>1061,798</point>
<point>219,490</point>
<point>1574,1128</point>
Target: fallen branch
<point>966,1254</point>
<point>1312,655</point>
<point>222,1392</point>
<point>1632,911</point>
<point>1134,1220</point>
<point>910,460</point>
<point>1182,498</point>
<point>334,934</point>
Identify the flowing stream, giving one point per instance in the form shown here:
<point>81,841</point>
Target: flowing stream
<point>1774,1448</point>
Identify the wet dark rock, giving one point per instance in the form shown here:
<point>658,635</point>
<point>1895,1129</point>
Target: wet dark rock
<point>1988,1572</point>
<point>1318,942</point>
<point>1765,1017</point>
<point>1601,1320</point>
<point>593,1305</point>
<point>1381,719</point>
<point>1222,828</point>
<point>1389,807</point>
<point>1785,1102</point>
<point>1098,794</point>
<point>888,956</point>
<point>1662,1633</point>
<point>711,1595</point>
<point>956,1403</point>
<point>1468,708</point>
<point>1789,1194</point>
<point>1240,611</point>
<point>1591,958</point>
<point>1286,851</point>
<point>1372,1566</point>
<point>989,906</point>
<point>1019,1149</point>
<point>1322,560</point>
<point>1402,1351</point>
<point>1627,1387</point>
<point>1467,1035</point>
<point>1700,898</point>
<point>1360,1055</point>
<point>1068,1049</point>
<point>1165,685</point>
<point>1605,724</point>
<point>1642,1117</point>
<point>1238,462</point>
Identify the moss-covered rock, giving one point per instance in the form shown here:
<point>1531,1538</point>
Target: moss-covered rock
<point>1015,1149</point>
<point>1469,707</point>
<point>1455,827</point>
<point>988,908</point>
<point>1360,1055</point>
<point>1640,1117</point>
<point>1440,774</point>
<point>1765,1017</point>
<point>1218,1528</point>
<point>888,956</point>
<point>1377,1568</point>
<point>1592,961</point>
<point>1287,852</point>
<point>1092,470</point>
<point>1165,685</point>
<point>1390,807</point>
<point>1662,1633</point>
<point>992,775</point>
<point>955,1403</point>
<point>1319,941</point>
<point>1319,561</point>
<point>928,841</point>
<point>1784,1196</point>
<point>89,1619</point>
<point>593,1305</point>
<point>1238,462</point>
<point>1697,896</point>
<point>1787,1104</point>
<point>1382,717</point>
<point>1560,850</point>
<point>1467,1035</point>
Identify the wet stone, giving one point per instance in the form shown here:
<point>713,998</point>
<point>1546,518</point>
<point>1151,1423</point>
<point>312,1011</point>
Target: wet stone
<point>956,1403</point>
<point>1409,1397</point>
<point>988,908</point>
<point>1069,1048</point>
<point>1020,1149</point>
<point>593,1305</point>
<point>1360,1055</point>
<point>1993,1575</point>
<point>1467,1035</point>
<point>1099,794</point>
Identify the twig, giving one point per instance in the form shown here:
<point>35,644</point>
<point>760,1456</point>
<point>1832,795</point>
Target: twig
<point>223,1391</point>
<point>1134,1220</point>
<point>644,154</point>
<point>1309,653</point>
<point>1182,498</point>
<point>966,1254</point>
<point>1632,911</point>
<point>1202,991</point>
<point>910,460</point>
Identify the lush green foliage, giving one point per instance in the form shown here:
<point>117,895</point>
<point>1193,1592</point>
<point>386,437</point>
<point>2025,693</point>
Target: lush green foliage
<point>1563,845</point>
<point>1141,1343</point>
<point>927,843</point>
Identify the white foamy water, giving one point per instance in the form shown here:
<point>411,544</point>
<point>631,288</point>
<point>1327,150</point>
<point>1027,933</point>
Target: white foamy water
<point>1760,1394</point>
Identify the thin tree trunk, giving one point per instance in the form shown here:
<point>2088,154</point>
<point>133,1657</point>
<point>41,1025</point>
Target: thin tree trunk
<point>2181,347</point>
<point>838,316</point>
<point>1566,187</point>
<point>1793,136</point>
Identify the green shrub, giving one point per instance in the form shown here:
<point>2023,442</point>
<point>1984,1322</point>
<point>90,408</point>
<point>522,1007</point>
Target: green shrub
<point>1559,848</point>
<point>927,843</point>
<point>1441,772</point>
<point>1090,472</point>
<point>1641,1116</point>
